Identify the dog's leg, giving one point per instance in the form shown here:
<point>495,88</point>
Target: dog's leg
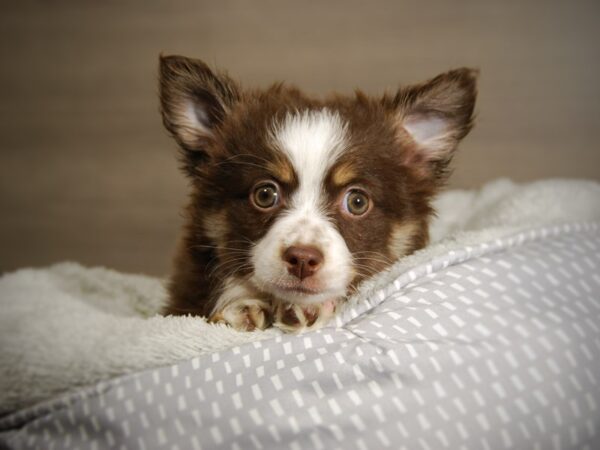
<point>245,314</point>
<point>293,318</point>
<point>240,307</point>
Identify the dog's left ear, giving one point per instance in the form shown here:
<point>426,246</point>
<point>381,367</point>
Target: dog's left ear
<point>436,115</point>
<point>194,101</point>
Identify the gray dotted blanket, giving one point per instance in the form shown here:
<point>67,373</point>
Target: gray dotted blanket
<point>488,347</point>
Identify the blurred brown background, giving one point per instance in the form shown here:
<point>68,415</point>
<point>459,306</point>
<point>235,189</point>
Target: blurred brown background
<point>88,174</point>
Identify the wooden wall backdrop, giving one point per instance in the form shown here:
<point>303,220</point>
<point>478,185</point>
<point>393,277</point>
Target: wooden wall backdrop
<point>88,174</point>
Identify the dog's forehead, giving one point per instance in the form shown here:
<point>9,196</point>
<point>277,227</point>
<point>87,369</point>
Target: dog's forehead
<point>312,140</point>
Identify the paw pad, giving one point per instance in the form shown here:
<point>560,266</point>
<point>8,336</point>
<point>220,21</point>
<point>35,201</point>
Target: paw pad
<point>245,315</point>
<point>293,318</point>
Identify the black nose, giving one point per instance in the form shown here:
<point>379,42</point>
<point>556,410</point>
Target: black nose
<point>303,262</point>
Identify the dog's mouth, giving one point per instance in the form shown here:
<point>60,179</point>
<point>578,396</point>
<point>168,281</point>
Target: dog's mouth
<point>303,292</point>
<point>298,289</point>
<point>299,292</point>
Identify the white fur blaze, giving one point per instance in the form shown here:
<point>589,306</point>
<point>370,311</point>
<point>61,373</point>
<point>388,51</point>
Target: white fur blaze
<point>313,141</point>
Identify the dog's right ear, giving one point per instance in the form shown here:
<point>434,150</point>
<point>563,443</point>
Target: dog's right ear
<point>194,101</point>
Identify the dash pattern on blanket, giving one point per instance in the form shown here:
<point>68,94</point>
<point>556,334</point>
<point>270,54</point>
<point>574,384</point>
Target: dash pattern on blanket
<point>494,347</point>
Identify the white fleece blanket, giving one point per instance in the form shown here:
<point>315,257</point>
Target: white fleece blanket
<point>67,326</point>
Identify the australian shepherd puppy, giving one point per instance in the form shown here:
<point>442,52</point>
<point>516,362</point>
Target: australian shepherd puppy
<point>296,200</point>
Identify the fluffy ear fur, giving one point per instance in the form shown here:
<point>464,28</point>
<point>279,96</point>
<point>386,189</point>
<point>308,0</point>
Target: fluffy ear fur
<point>436,115</point>
<point>194,101</point>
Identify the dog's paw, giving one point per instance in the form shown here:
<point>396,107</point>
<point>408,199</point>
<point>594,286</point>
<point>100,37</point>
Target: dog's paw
<point>293,318</point>
<point>245,315</point>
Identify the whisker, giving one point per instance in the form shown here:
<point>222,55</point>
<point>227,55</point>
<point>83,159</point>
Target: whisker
<point>216,247</point>
<point>231,159</point>
<point>236,268</point>
<point>239,155</point>
<point>225,265</point>
<point>194,311</point>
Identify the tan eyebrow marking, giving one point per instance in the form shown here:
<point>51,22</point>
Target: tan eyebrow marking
<point>343,174</point>
<point>282,170</point>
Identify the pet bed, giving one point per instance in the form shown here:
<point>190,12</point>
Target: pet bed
<point>489,338</point>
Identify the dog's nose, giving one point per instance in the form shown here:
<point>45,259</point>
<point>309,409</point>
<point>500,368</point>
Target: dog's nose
<point>303,262</point>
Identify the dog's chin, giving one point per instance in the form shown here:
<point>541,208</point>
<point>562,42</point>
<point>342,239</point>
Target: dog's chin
<point>300,293</point>
<point>301,296</point>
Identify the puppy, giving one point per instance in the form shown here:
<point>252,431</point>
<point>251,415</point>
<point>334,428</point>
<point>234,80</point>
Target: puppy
<point>296,200</point>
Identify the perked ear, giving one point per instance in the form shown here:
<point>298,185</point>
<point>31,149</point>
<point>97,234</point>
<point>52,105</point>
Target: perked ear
<point>437,115</point>
<point>194,100</point>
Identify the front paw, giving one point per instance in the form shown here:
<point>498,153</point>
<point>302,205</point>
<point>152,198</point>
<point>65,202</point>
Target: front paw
<point>245,315</point>
<point>293,318</point>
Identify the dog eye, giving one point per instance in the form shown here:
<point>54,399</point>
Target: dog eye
<point>265,195</point>
<point>356,202</point>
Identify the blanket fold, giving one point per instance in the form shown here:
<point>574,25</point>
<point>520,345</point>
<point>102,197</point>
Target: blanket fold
<point>67,326</point>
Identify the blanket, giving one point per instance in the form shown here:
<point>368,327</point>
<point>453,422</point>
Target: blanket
<point>68,326</point>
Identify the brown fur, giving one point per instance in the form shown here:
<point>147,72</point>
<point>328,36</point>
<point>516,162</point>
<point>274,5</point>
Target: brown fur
<point>225,164</point>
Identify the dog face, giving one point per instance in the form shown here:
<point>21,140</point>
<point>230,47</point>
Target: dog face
<point>303,198</point>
